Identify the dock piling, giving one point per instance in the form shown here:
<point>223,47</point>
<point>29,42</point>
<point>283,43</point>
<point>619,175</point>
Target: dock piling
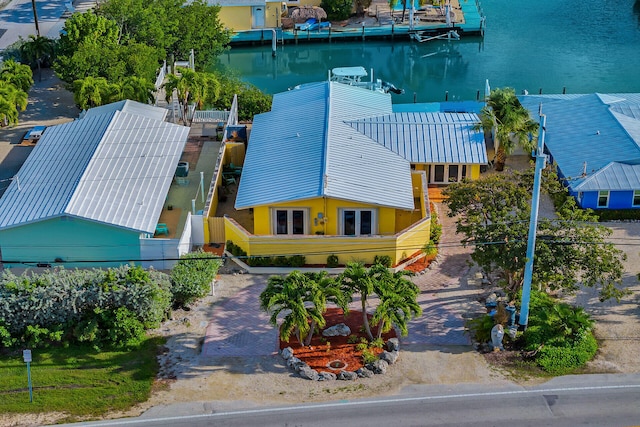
<point>363,31</point>
<point>564,90</point>
<point>446,96</point>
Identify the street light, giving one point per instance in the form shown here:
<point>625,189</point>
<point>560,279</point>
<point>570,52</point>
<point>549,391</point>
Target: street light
<point>35,17</point>
<point>541,161</point>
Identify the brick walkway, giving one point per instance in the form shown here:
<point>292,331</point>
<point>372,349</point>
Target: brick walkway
<point>449,290</point>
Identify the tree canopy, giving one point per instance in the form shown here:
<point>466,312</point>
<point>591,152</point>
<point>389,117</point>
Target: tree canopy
<point>15,81</point>
<point>571,249</point>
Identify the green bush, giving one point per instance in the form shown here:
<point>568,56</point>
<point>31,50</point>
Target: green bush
<point>377,343</point>
<point>297,261</point>
<point>564,360</point>
<point>63,306</point>
<point>480,328</point>
<point>332,261</point>
<point>191,277</point>
<point>436,228</point>
<point>617,214</point>
<point>384,260</point>
<point>351,339</point>
<point>368,356</point>
<point>337,10</point>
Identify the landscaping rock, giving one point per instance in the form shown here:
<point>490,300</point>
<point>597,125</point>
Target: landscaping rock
<point>287,353</point>
<point>308,373</point>
<point>337,330</point>
<point>378,367</point>
<point>347,376</point>
<point>389,356</point>
<point>294,363</point>
<point>327,376</point>
<point>364,373</point>
<point>393,344</point>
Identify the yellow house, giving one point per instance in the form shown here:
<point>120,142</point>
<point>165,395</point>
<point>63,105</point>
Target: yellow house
<point>332,170</point>
<point>319,187</point>
<point>244,15</point>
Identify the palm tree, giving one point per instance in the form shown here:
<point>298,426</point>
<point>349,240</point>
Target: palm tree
<point>303,297</point>
<point>17,74</point>
<point>510,120</point>
<point>192,87</point>
<point>398,304</point>
<point>37,50</point>
<point>12,101</point>
<point>137,89</point>
<point>92,92</point>
<point>356,278</point>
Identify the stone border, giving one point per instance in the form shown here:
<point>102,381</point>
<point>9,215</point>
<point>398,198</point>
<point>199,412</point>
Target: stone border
<point>387,357</point>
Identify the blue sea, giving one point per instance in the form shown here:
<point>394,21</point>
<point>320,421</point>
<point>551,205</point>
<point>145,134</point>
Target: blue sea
<point>579,46</point>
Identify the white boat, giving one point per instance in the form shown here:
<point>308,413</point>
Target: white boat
<point>354,76</point>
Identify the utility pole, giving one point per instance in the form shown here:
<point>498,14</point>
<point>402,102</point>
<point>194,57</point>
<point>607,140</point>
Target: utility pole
<point>35,17</point>
<point>541,161</point>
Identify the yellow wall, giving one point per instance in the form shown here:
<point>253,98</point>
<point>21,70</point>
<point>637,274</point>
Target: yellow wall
<point>475,172</point>
<point>316,249</point>
<point>386,217</point>
<point>236,18</point>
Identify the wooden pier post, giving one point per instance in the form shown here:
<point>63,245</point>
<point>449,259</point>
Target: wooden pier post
<point>363,31</point>
<point>446,96</point>
<point>295,35</point>
<point>329,33</point>
<point>564,90</point>
<point>393,26</point>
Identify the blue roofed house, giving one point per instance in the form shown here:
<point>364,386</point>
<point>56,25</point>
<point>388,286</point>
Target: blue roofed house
<point>594,141</point>
<point>92,190</point>
<point>332,169</point>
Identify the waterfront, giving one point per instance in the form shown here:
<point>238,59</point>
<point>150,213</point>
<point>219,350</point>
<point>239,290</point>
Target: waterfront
<point>581,45</point>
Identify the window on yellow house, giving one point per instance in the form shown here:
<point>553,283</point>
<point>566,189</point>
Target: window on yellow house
<point>290,221</point>
<point>357,222</point>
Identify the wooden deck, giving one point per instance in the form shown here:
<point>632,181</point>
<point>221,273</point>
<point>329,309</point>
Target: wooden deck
<point>435,194</point>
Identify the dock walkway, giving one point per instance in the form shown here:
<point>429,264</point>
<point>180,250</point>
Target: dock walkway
<point>379,22</point>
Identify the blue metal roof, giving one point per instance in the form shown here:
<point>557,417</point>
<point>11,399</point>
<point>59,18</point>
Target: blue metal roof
<point>586,133</point>
<point>113,168</point>
<point>303,149</point>
<point>428,137</point>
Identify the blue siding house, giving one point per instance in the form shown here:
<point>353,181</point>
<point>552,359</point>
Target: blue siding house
<point>594,141</point>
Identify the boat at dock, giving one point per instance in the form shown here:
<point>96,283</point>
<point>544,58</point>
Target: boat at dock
<point>353,76</point>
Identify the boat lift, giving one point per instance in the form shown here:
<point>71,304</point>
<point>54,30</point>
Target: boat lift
<point>421,37</point>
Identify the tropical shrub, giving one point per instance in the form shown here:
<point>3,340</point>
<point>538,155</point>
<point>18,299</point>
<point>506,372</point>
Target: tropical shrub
<point>93,306</point>
<point>384,260</point>
<point>191,277</point>
<point>436,228</point>
<point>337,10</point>
<point>332,261</point>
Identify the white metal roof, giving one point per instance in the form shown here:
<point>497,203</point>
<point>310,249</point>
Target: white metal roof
<point>428,137</point>
<point>303,149</point>
<point>113,168</point>
<point>129,106</point>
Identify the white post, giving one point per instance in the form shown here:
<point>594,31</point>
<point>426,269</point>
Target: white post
<point>202,185</point>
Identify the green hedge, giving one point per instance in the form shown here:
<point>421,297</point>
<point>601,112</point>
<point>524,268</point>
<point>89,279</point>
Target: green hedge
<point>191,277</point>
<point>101,307</point>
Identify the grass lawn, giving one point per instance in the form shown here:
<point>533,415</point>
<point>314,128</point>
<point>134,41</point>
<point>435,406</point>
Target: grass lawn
<point>79,381</point>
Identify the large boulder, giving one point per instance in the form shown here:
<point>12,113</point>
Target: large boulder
<point>378,367</point>
<point>347,376</point>
<point>364,373</point>
<point>337,330</point>
<point>287,353</point>
<point>327,376</point>
<point>393,344</point>
<point>308,373</point>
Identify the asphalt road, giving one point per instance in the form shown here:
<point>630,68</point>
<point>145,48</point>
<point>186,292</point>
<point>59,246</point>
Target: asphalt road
<point>596,400</point>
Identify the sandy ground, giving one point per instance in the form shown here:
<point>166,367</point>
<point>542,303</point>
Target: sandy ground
<point>230,383</point>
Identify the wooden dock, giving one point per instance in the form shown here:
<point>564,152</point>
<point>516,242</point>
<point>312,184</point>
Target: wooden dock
<point>379,22</point>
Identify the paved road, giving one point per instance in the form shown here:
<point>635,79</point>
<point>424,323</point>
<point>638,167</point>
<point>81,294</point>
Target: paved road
<point>602,400</point>
<point>16,19</point>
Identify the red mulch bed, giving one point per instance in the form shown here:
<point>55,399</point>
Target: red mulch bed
<point>421,264</point>
<point>319,354</point>
<point>214,248</point>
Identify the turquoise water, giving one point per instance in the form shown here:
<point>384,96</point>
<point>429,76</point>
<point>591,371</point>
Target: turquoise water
<point>580,46</point>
